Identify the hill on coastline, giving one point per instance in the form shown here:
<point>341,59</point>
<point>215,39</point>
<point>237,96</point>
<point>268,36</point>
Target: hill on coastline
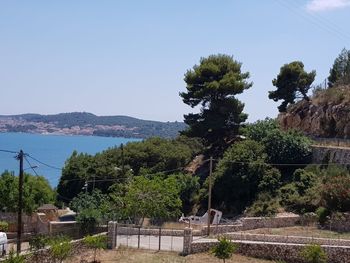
<point>83,123</point>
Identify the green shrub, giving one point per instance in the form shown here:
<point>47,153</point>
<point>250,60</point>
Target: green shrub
<point>4,226</point>
<point>224,249</point>
<point>265,205</point>
<point>61,248</point>
<point>95,243</point>
<point>322,214</point>
<point>38,242</point>
<point>89,218</point>
<point>13,258</point>
<point>314,254</point>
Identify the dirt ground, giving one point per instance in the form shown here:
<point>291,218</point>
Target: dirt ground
<point>301,231</point>
<point>145,256</point>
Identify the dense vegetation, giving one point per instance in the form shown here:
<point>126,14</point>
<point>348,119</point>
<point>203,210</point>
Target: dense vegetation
<point>36,191</point>
<point>259,168</point>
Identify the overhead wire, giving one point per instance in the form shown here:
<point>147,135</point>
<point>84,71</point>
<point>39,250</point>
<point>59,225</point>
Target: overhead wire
<point>317,21</point>
<point>43,163</point>
<point>30,165</point>
<point>8,151</point>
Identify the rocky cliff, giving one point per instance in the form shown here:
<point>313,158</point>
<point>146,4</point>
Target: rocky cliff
<point>327,114</point>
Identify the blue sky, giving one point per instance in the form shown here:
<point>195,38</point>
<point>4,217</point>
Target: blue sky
<point>129,57</point>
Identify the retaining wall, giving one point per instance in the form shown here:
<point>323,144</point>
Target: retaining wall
<point>248,223</point>
<point>288,239</point>
<point>276,251</point>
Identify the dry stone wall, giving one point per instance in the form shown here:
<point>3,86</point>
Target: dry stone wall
<point>289,253</point>
<point>288,239</point>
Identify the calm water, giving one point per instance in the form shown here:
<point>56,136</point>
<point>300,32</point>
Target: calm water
<point>50,149</point>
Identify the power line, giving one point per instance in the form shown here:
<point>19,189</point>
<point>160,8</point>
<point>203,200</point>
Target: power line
<point>30,165</point>
<point>8,151</point>
<point>316,21</point>
<point>45,164</point>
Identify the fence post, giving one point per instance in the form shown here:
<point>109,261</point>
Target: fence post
<point>111,242</point>
<point>187,241</point>
<point>138,238</point>
<point>160,237</point>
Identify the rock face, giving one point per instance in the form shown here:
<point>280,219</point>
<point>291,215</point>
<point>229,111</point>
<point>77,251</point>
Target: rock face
<point>319,118</point>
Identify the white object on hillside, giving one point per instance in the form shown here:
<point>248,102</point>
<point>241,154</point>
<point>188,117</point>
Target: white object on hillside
<point>3,243</point>
<point>215,217</point>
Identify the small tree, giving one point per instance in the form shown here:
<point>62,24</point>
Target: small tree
<point>36,243</point>
<point>340,71</point>
<point>314,254</point>
<point>95,243</point>
<point>224,249</point>
<point>61,248</point>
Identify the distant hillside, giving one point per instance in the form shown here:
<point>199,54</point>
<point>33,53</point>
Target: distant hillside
<point>83,123</point>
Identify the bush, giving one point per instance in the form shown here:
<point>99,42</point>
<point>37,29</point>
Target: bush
<point>95,243</point>
<point>89,219</point>
<point>4,226</point>
<point>314,254</point>
<point>61,248</point>
<point>13,258</point>
<point>224,249</point>
<point>265,205</point>
<point>36,243</point>
<point>322,214</point>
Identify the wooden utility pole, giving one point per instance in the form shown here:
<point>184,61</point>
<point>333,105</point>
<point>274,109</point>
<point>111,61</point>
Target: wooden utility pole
<point>209,195</point>
<point>20,201</point>
<point>122,157</point>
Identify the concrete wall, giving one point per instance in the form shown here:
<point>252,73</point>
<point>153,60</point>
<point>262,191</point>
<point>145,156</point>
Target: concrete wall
<point>276,251</point>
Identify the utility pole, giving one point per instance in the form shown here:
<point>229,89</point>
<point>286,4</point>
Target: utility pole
<point>122,157</point>
<point>20,201</point>
<point>209,195</point>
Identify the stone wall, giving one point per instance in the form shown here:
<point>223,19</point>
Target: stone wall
<point>276,251</point>
<point>29,222</point>
<point>329,154</point>
<point>269,222</point>
<point>288,239</point>
<point>249,223</point>
<point>69,228</point>
<point>340,224</point>
<point>331,142</point>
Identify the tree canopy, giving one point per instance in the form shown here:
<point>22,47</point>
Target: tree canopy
<point>292,83</point>
<point>213,85</point>
<point>120,164</point>
<point>240,174</point>
<point>36,192</point>
<point>340,71</point>
<point>154,198</point>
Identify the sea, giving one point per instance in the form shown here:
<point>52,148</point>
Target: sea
<point>50,151</point>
